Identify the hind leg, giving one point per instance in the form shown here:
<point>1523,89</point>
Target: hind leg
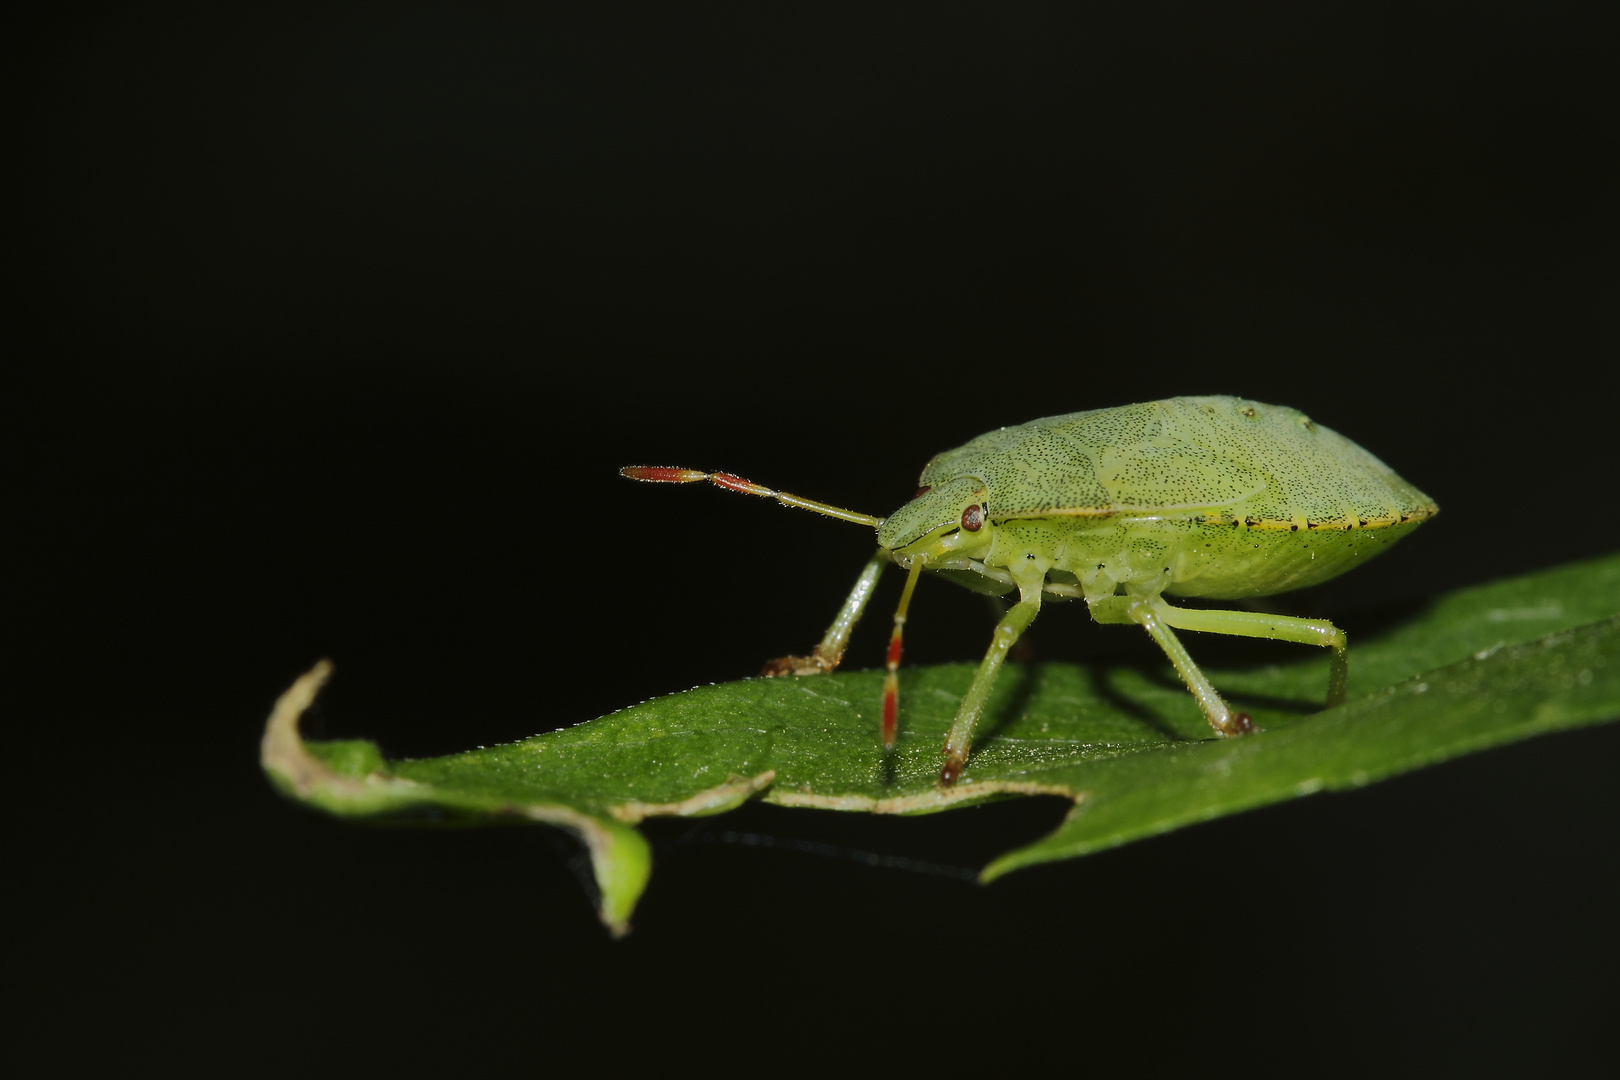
<point>1158,617</point>
<point>1277,627</point>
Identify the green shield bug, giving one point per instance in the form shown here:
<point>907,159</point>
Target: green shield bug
<point>1214,497</point>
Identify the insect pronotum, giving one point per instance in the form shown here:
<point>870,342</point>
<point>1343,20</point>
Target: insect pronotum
<point>1214,497</point>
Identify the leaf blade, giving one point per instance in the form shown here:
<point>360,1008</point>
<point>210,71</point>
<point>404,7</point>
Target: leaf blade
<point>1506,660</point>
<point>1561,681</point>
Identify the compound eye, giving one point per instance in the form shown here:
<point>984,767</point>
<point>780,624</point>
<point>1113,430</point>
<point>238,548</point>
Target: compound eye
<point>920,492</point>
<point>973,518</point>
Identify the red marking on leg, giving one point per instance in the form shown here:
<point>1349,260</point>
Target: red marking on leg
<point>891,707</point>
<point>661,474</point>
<point>738,484</point>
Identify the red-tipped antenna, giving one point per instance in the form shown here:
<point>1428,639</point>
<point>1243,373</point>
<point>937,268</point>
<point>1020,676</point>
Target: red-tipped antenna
<point>661,474</point>
<point>891,680</point>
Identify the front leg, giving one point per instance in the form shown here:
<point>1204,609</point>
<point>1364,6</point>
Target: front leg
<point>826,656</point>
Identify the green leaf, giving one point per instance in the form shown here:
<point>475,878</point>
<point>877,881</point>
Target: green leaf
<point>1477,668</point>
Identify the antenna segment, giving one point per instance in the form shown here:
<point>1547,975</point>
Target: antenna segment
<point>659,474</point>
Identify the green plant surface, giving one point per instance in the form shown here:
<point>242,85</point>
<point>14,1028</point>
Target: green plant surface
<point>1476,668</point>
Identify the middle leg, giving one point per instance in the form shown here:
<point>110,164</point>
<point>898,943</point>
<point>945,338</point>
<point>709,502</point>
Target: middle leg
<point>960,739</point>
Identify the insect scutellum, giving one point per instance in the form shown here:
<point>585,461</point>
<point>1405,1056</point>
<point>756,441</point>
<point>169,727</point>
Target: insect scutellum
<point>1216,497</point>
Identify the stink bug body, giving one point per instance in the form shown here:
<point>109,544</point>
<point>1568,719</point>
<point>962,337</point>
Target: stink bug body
<point>1215,497</point>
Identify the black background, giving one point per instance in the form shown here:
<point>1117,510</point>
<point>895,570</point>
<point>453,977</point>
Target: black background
<point>335,327</point>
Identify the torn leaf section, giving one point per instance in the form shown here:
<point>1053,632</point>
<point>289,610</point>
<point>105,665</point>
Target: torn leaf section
<point>350,779</point>
<point>931,801</point>
<point>356,758</point>
<point>621,861</point>
<point>716,800</point>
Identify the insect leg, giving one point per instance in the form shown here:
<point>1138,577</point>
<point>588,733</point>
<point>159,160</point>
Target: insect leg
<point>891,680</point>
<point>1220,716</point>
<point>825,656</point>
<point>960,739</point>
<point>1279,627</point>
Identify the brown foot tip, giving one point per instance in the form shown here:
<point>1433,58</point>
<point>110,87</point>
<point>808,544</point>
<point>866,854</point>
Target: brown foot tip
<point>951,770</point>
<point>1241,724</point>
<point>795,665</point>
